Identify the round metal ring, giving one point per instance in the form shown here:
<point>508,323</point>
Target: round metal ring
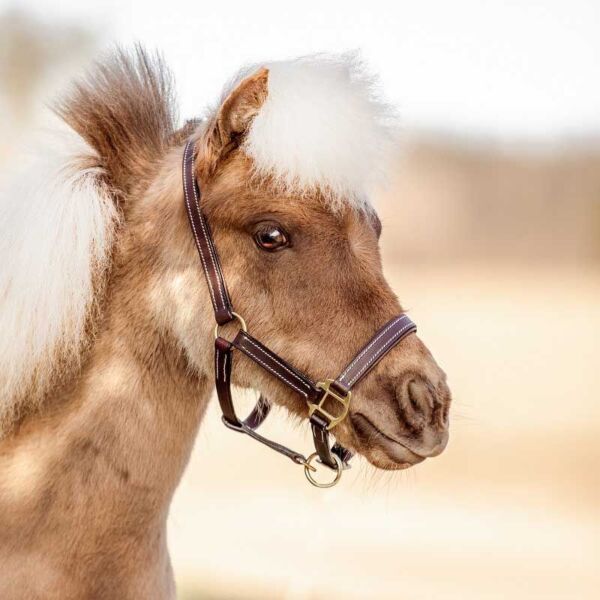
<point>238,318</point>
<point>313,481</point>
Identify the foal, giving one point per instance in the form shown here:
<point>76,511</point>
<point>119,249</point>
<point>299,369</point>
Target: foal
<point>106,364</point>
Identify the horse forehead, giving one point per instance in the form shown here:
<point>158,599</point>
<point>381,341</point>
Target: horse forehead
<point>238,194</point>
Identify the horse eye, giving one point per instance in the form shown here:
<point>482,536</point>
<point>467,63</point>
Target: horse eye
<point>271,238</point>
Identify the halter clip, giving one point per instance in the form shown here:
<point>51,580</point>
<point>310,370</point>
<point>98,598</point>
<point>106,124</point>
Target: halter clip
<point>308,468</point>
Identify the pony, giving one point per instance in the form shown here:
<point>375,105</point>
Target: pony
<point>106,365</point>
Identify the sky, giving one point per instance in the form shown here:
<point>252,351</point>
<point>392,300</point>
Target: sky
<point>501,69</point>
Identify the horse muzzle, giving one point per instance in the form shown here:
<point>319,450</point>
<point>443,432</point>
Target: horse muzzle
<point>410,425</point>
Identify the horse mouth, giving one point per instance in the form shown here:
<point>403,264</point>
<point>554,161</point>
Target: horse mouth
<point>397,454</point>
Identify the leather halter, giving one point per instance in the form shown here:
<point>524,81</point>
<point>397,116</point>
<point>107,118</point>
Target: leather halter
<point>328,401</point>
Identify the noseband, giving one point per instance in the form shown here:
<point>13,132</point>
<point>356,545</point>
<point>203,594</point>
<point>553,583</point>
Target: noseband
<point>328,400</point>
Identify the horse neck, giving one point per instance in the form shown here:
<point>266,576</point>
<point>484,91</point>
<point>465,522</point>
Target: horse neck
<point>138,398</point>
<point>95,477</point>
<point>121,434</point>
<point>140,402</point>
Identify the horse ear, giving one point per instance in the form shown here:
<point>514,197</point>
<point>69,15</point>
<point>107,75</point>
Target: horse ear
<point>233,120</point>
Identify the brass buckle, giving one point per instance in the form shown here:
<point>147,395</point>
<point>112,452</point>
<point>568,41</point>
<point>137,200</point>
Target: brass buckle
<point>332,393</point>
<point>339,467</point>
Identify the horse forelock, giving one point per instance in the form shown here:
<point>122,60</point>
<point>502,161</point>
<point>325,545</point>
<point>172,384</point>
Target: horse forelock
<point>323,127</point>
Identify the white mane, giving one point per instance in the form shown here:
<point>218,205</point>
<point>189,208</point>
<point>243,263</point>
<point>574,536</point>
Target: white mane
<point>323,127</point>
<point>56,226</point>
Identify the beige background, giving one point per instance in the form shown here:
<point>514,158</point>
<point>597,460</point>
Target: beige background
<point>493,246</point>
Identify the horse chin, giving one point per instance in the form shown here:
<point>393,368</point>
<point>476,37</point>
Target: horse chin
<point>381,450</point>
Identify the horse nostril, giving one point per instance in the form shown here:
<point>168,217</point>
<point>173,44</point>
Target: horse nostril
<point>422,405</point>
<point>420,397</point>
<point>422,411</point>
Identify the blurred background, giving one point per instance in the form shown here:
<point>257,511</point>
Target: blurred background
<point>492,241</point>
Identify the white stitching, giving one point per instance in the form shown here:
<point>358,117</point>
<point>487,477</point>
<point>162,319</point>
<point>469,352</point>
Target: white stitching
<point>278,375</point>
<point>359,356</point>
<point>224,367</point>
<point>376,356</point>
<point>278,362</point>
<point>210,249</point>
<point>189,209</point>
<point>392,339</point>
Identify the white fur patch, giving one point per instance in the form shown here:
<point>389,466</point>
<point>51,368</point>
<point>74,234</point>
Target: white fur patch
<point>57,221</point>
<point>322,127</point>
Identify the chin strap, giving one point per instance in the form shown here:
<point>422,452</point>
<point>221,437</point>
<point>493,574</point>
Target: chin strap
<point>328,401</point>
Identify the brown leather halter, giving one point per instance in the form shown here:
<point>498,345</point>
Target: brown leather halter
<point>328,400</point>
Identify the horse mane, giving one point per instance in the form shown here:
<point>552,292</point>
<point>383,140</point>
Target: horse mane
<point>59,217</point>
<point>125,109</point>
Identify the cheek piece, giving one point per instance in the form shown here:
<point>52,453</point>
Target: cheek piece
<point>327,401</point>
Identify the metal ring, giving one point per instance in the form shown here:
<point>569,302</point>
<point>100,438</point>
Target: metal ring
<point>313,481</point>
<point>238,318</point>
